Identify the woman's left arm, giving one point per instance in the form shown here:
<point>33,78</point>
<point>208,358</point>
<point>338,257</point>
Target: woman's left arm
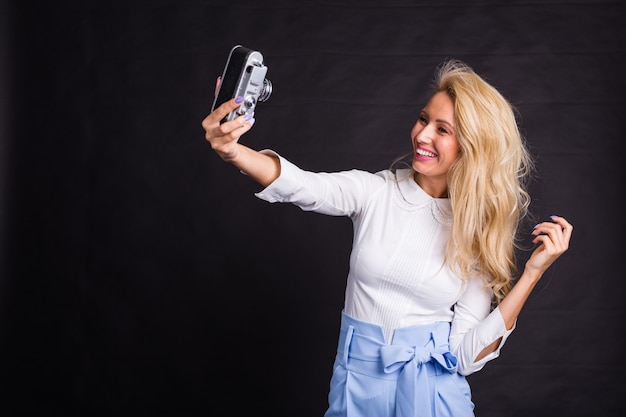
<point>553,239</point>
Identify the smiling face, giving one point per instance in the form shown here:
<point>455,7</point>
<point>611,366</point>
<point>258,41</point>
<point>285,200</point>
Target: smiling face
<point>435,145</point>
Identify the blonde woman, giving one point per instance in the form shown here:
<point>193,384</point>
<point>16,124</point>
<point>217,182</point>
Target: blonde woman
<point>433,292</point>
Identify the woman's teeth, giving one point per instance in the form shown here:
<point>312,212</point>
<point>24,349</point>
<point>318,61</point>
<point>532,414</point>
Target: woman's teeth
<point>425,153</point>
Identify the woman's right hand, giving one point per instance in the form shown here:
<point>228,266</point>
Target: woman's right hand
<point>224,137</point>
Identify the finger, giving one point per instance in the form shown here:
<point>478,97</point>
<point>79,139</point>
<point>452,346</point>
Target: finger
<point>237,127</point>
<point>217,84</point>
<point>559,230</point>
<point>227,107</point>
<point>550,234</point>
<point>553,239</point>
<point>548,247</point>
<point>541,240</point>
<point>544,238</point>
<point>565,225</point>
<point>545,228</point>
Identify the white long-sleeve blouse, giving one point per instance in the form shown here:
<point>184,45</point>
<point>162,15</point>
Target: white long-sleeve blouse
<point>397,277</point>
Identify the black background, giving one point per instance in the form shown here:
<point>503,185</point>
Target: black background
<point>140,275</point>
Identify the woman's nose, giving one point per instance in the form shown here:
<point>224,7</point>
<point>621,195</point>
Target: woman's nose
<point>424,136</point>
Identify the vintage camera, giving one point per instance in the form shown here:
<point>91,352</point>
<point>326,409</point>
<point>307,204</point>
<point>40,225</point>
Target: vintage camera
<point>244,76</point>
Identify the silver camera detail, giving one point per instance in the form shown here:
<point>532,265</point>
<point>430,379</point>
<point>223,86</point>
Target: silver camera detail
<point>243,76</point>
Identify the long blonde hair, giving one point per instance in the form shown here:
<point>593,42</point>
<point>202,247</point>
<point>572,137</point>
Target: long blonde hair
<point>487,184</point>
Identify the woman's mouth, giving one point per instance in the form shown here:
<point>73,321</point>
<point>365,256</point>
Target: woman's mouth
<point>424,154</point>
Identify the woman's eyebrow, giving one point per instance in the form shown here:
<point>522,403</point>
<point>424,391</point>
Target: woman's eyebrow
<point>445,122</point>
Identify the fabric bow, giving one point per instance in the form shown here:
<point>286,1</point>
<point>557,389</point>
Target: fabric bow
<point>408,360</point>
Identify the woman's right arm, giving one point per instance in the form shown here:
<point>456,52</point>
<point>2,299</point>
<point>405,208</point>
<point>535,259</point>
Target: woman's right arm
<point>224,139</point>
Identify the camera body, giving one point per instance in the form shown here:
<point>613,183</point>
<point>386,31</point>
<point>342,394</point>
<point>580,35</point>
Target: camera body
<point>243,76</point>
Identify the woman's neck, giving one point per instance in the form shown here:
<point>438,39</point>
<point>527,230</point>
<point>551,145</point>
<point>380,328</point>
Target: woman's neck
<point>436,188</point>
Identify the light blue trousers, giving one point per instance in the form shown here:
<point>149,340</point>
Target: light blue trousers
<point>414,376</point>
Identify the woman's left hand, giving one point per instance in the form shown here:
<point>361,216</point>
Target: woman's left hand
<point>553,239</point>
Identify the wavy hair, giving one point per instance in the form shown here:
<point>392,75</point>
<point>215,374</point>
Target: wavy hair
<point>487,184</point>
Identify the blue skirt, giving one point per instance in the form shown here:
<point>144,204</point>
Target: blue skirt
<point>414,376</point>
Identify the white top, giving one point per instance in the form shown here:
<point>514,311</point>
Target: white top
<point>397,277</point>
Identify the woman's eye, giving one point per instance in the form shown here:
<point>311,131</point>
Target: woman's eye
<point>423,120</point>
<point>442,130</point>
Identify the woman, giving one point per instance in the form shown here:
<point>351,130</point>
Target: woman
<point>429,295</point>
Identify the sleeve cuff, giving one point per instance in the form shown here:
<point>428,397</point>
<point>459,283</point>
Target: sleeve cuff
<point>493,328</point>
<point>284,186</point>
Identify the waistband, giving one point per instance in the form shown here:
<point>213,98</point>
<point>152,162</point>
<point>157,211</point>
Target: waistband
<point>414,354</point>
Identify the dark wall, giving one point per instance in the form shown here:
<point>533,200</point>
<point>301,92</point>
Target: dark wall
<point>140,275</point>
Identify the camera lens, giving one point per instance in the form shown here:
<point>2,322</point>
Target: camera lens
<point>266,90</point>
